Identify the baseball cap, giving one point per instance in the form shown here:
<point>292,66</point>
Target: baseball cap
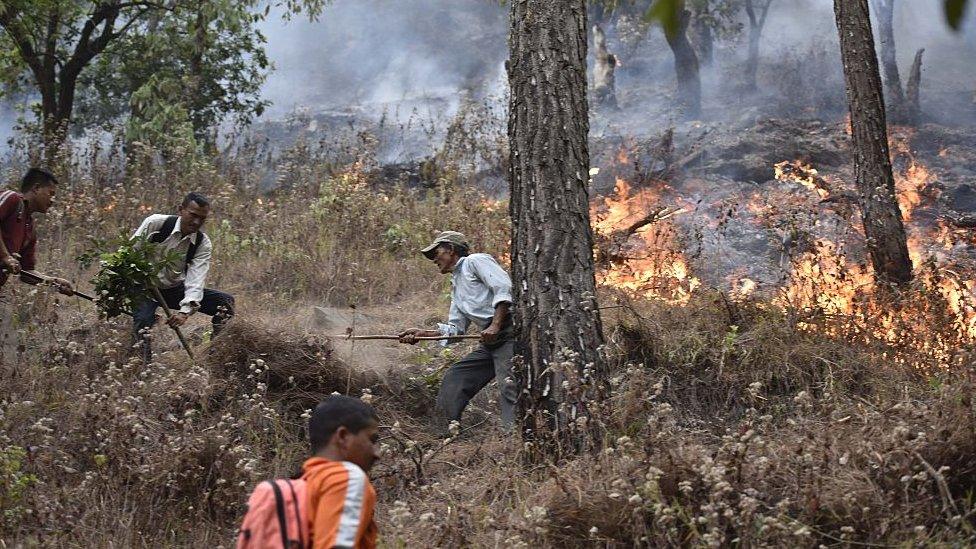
<point>449,237</point>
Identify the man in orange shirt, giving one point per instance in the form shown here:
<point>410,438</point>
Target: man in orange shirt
<point>343,432</point>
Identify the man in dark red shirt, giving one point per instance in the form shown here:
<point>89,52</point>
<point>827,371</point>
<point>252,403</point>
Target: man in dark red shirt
<point>17,238</point>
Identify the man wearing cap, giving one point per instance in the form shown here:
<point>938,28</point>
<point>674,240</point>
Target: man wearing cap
<point>481,294</point>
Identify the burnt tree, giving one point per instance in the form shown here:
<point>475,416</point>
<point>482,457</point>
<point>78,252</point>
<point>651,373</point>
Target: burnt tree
<point>913,105</point>
<point>756,11</point>
<point>688,96</point>
<point>883,228</point>
<point>557,323</point>
<point>604,65</point>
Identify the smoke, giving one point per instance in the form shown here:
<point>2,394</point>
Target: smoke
<point>378,53</point>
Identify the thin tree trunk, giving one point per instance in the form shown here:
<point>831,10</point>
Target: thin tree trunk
<point>195,80</point>
<point>885,14</point>
<point>688,96</point>
<point>557,323</point>
<point>913,105</point>
<point>604,65</point>
<point>885,234</point>
<point>757,21</point>
<point>703,39</point>
<point>752,62</point>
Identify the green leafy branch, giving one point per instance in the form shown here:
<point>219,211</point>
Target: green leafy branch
<point>128,267</point>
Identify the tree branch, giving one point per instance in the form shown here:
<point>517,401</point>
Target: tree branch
<point>765,12</point>
<point>751,12</point>
<point>10,21</point>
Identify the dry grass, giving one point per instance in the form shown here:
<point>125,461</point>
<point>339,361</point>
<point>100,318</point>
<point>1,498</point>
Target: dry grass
<point>729,424</point>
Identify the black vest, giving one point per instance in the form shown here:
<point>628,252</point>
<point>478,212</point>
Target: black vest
<point>167,229</point>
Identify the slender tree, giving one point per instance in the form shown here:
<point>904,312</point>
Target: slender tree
<point>883,228</point>
<point>604,66</point>
<point>688,97</point>
<point>702,33</point>
<point>884,11</point>
<point>556,319</point>
<point>903,106</point>
<point>913,106</point>
<point>756,11</point>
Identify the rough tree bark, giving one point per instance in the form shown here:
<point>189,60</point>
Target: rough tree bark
<point>557,323</point>
<point>604,65</point>
<point>895,98</point>
<point>757,21</point>
<point>688,97</point>
<point>872,164</point>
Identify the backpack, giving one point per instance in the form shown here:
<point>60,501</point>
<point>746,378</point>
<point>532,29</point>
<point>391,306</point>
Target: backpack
<point>277,517</point>
<point>167,229</point>
<point>20,204</point>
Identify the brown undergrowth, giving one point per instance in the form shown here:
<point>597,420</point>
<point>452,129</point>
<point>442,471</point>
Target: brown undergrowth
<point>732,423</point>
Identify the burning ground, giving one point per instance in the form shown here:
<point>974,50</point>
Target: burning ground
<point>770,213</point>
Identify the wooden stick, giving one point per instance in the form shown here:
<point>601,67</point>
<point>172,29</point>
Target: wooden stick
<point>169,314</point>
<point>424,338</point>
<point>44,278</point>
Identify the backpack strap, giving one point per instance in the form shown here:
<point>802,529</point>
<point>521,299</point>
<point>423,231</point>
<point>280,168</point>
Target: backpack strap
<point>192,250</point>
<point>167,229</point>
<point>298,514</point>
<point>280,507</point>
<point>164,231</point>
<point>20,203</point>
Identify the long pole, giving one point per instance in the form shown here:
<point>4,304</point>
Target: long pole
<point>424,338</point>
<point>169,314</point>
<point>34,275</point>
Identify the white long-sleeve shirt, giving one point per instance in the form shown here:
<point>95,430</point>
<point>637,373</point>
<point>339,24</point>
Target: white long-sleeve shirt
<point>192,276</point>
<point>478,285</point>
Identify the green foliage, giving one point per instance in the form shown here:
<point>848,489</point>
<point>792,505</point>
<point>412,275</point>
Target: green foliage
<point>666,12</point>
<point>108,51</point>
<point>126,272</point>
<point>159,118</point>
<point>14,484</point>
<point>177,83</point>
<point>955,10</point>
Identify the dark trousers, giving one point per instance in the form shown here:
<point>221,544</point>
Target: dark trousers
<point>217,304</point>
<point>469,375</point>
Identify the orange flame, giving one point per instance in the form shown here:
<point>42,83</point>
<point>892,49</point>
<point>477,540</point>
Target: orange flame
<point>649,263</point>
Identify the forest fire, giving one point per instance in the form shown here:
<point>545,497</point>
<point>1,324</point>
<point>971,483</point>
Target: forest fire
<point>914,178</point>
<point>802,173</point>
<point>644,258</point>
<point>828,283</point>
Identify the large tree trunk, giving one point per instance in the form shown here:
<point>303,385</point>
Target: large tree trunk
<point>686,68</point>
<point>885,14</point>
<point>872,163</point>
<point>557,323</point>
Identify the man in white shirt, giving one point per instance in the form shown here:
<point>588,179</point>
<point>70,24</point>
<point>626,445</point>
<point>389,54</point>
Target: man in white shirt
<point>181,285</point>
<point>481,294</point>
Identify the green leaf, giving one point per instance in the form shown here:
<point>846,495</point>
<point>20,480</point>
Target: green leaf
<point>666,12</point>
<point>954,12</point>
